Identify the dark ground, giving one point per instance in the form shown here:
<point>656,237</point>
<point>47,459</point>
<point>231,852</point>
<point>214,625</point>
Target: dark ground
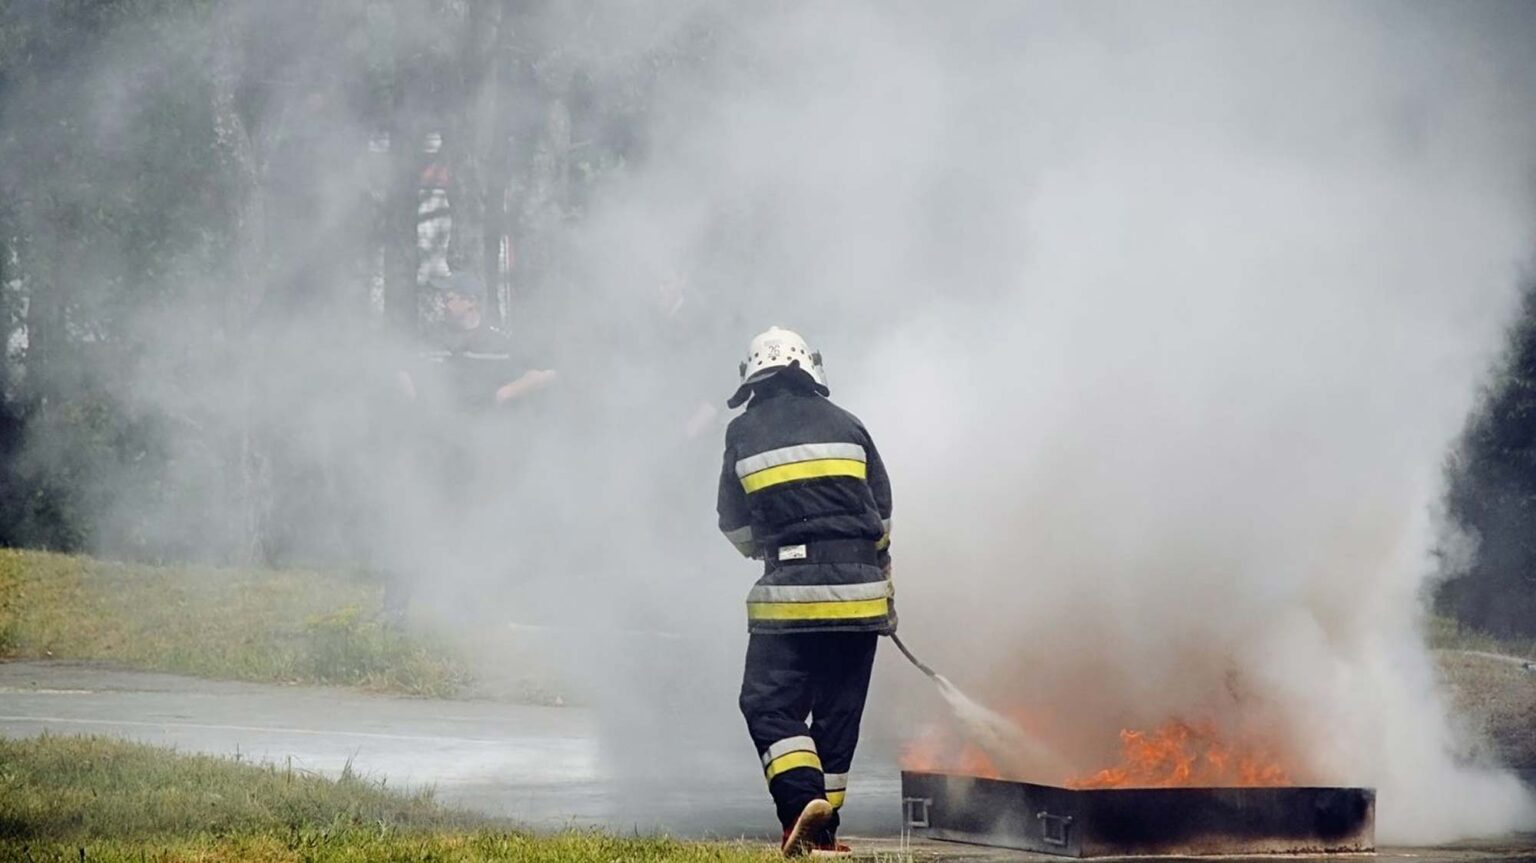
<point>538,765</point>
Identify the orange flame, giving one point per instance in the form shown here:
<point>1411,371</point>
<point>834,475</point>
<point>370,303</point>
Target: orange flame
<point>938,752</point>
<point>1177,754</point>
<point>1180,754</point>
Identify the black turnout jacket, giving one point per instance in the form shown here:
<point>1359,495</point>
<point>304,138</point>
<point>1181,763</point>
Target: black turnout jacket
<point>804,490</point>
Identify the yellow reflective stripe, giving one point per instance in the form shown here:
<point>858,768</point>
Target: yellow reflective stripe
<point>882,542</point>
<point>836,798</point>
<point>817,610</point>
<point>792,760</point>
<point>821,467</point>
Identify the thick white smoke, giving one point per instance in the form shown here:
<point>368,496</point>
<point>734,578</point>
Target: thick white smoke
<point>1163,318</point>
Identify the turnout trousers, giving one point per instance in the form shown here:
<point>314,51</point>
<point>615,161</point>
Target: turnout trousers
<point>803,696</point>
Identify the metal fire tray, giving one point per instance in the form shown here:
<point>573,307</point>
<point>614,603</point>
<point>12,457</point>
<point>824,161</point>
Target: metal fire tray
<point>1133,821</point>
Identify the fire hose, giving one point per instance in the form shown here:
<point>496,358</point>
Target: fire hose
<point>920,665</point>
<point>951,693</point>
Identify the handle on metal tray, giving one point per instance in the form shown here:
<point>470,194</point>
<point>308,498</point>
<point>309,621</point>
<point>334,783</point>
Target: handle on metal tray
<point>916,810</point>
<point>1053,828</point>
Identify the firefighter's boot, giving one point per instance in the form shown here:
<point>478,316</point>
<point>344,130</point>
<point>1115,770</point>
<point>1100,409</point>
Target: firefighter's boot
<point>801,838</point>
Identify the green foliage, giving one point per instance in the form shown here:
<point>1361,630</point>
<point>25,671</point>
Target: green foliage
<point>260,625</point>
<point>1492,495</point>
<point>117,212</point>
<point>178,178</point>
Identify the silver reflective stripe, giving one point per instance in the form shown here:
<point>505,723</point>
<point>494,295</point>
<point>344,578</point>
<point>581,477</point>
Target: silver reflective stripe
<point>741,537</point>
<point>468,355</point>
<point>820,592</point>
<point>836,781</point>
<point>791,454</point>
<point>788,745</point>
<point>886,523</point>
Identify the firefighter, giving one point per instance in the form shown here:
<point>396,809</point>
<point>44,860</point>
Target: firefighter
<point>803,489</point>
<point>474,396</point>
<point>483,368</point>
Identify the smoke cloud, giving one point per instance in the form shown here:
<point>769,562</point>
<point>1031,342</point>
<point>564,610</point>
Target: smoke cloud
<point>1162,316</point>
<point>1182,463</point>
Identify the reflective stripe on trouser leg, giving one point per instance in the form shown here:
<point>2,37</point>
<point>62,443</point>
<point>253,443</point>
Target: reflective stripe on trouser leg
<point>776,701</point>
<point>837,788</point>
<point>841,681</point>
<point>789,753</point>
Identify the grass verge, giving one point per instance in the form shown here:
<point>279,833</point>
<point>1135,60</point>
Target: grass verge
<point>261,625</point>
<point>96,799</point>
<point>1445,633</point>
<point>1492,699</point>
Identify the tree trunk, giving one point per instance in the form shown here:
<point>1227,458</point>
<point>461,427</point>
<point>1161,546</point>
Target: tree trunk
<point>470,141</point>
<point>46,302</point>
<point>401,197</point>
<point>7,324</point>
<point>544,207</point>
<point>400,254</point>
<point>498,172</point>
<point>248,490</point>
<point>522,108</point>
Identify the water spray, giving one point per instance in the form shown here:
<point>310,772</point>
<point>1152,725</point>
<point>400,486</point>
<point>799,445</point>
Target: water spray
<point>1015,753</point>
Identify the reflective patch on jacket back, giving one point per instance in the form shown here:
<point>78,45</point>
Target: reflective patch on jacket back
<point>792,552</point>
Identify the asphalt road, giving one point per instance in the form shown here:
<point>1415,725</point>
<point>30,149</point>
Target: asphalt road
<point>539,766</point>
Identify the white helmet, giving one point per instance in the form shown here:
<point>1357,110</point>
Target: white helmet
<point>773,351</point>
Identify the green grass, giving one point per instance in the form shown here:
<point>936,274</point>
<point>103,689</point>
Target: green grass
<point>1493,699</point>
<point>73,798</point>
<point>356,846</point>
<point>1445,633</point>
<point>261,625</point>
<point>74,788</point>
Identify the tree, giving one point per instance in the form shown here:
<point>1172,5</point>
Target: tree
<point>1492,494</point>
<point>237,159</point>
<point>190,187</point>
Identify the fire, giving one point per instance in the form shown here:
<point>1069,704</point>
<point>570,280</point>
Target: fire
<point>1177,754</point>
<point>937,751</point>
<point>944,750</point>
<point>1180,754</point>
